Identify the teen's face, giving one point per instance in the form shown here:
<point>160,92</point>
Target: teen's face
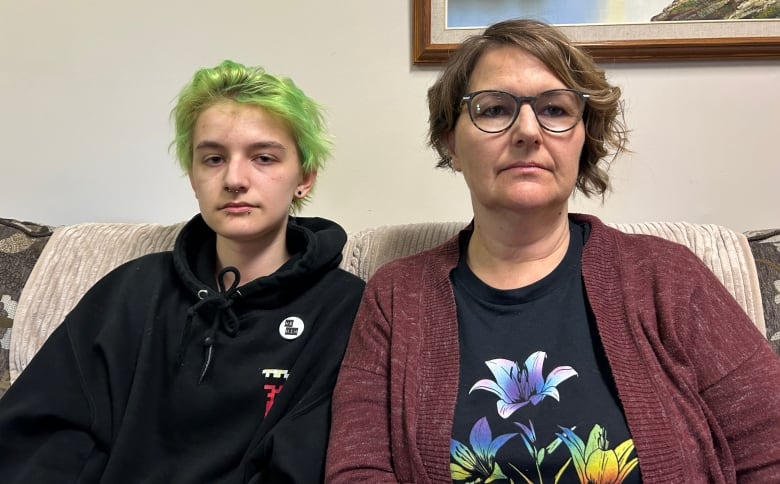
<point>245,171</point>
<point>524,167</point>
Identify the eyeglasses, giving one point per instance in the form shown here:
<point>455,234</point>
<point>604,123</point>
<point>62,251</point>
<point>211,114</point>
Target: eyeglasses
<point>557,110</point>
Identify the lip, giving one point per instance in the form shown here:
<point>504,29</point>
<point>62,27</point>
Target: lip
<point>524,166</point>
<point>236,207</point>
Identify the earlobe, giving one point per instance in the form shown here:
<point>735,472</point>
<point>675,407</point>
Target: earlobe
<point>451,143</point>
<point>306,182</point>
<point>451,151</point>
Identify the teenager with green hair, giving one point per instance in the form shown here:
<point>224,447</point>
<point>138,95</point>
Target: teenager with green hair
<point>252,86</point>
<point>213,362</point>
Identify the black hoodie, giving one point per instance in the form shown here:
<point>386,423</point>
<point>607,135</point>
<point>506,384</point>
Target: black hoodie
<point>159,375</point>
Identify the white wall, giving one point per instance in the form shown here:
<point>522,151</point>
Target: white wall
<point>86,87</point>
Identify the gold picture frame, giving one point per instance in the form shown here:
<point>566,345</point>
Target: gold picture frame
<point>432,42</point>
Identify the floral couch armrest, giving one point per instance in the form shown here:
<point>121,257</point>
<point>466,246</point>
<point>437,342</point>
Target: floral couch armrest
<point>765,245</point>
<point>21,243</point>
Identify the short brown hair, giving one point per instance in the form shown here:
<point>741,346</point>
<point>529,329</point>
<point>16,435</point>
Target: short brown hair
<point>603,117</point>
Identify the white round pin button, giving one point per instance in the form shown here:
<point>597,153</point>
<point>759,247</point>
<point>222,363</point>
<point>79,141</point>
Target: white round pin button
<point>291,327</point>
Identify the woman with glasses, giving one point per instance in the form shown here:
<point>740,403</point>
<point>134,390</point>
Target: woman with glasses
<point>538,345</point>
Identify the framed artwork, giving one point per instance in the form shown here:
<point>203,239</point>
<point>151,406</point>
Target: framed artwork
<point>612,30</point>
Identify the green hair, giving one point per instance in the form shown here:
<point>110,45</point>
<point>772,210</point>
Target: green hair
<point>231,81</point>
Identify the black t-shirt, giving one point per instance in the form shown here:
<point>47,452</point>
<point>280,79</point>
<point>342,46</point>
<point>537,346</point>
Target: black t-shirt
<point>536,397</point>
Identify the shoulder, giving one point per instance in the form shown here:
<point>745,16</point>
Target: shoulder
<point>151,269</point>
<point>436,262</point>
<point>644,267</point>
<point>128,287</point>
<point>120,305</point>
<point>638,249</point>
<point>344,281</point>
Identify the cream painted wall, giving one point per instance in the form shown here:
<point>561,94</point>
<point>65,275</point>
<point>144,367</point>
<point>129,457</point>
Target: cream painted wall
<point>86,87</point>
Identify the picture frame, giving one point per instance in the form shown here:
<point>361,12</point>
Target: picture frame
<point>432,42</point>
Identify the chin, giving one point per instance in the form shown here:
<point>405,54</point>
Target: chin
<point>527,200</point>
<point>246,231</point>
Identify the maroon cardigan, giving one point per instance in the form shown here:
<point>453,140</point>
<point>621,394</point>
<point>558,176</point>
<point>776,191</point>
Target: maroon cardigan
<point>699,384</point>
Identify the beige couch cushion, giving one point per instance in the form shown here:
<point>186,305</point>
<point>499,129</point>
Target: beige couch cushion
<point>78,255</point>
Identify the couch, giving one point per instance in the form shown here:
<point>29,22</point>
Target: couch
<point>44,271</point>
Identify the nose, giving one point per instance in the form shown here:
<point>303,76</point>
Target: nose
<point>526,127</point>
<point>236,178</point>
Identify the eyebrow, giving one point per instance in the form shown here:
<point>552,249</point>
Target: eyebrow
<point>209,144</point>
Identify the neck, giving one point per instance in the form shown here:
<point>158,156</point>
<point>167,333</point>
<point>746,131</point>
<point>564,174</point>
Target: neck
<point>253,259</point>
<point>508,253</point>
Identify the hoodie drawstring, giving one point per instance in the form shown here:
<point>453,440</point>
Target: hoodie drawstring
<point>224,318</point>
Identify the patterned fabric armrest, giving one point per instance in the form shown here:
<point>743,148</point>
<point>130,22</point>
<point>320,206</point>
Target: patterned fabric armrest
<point>765,247</point>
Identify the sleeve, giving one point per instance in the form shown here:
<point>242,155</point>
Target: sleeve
<point>739,379</point>
<point>359,449</point>
<point>747,406</point>
<point>46,418</point>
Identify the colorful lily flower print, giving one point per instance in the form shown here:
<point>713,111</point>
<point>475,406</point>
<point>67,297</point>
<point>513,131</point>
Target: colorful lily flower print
<point>478,464</point>
<point>595,462</point>
<point>516,387</point>
<point>538,455</point>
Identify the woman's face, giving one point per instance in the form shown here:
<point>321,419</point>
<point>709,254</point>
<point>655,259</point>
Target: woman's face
<point>526,167</point>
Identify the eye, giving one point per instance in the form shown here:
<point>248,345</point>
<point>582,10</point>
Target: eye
<point>212,160</point>
<point>491,111</point>
<point>553,111</point>
<point>558,104</point>
<point>492,106</point>
<point>264,159</point>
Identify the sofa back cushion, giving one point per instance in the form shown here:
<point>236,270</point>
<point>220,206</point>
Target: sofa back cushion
<point>726,252</point>
<point>78,255</point>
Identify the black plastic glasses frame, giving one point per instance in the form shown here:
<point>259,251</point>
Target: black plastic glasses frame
<point>519,101</point>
